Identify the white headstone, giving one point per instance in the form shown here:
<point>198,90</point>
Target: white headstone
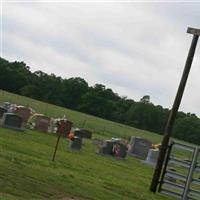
<point>152,156</point>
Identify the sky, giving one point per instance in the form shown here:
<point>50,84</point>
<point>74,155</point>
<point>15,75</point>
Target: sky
<point>134,48</point>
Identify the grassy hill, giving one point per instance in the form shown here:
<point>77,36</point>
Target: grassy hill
<point>27,172</point>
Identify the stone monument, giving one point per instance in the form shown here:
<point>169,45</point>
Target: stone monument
<point>23,112</point>
<point>75,143</point>
<point>42,123</point>
<point>11,120</point>
<point>152,157</point>
<point>113,148</point>
<point>139,147</point>
<point>83,133</point>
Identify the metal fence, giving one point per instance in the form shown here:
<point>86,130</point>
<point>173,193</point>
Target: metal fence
<point>181,172</point>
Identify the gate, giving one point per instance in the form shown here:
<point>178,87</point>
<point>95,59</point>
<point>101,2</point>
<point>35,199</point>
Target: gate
<point>181,172</point>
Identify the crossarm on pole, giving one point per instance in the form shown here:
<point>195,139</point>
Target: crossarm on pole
<point>193,31</point>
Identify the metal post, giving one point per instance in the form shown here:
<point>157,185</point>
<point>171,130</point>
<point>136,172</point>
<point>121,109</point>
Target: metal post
<point>165,165</point>
<point>189,177</point>
<point>172,115</point>
<point>56,147</point>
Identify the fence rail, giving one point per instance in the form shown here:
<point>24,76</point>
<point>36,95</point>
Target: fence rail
<point>181,176</point>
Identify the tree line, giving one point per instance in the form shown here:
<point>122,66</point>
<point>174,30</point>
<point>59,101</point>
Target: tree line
<point>76,94</point>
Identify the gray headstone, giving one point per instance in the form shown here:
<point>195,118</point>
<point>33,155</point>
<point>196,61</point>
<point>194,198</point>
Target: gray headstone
<point>106,148</point>
<point>139,147</point>
<point>76,143</point>
<point>152,156</point>
<point>119,150</point>
<point>2,111</point>
<point>86,133</point>
<point>113,148</point>
<point>11,120</point>
<point>83,133</point>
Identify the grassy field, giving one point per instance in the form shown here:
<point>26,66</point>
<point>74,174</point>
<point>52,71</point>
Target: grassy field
<point>27,172</point>
<point>100,126</point>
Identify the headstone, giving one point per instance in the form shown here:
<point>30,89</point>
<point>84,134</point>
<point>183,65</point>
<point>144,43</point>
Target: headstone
<point>76,143</point>
<point>113,148</point>
<point>64,127</point>
<point>119,150</point>
<point>139,147</point>
<point>11,120</point>
<point>83,133</point>
<point>106,148</point>
<point>42,123</point>
<point>24,113</point>
<point>152,157</point>
<point>2,111</point>
<point>9,106</point>
<point>86,133</point>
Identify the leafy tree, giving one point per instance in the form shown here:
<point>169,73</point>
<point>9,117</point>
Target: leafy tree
<point>73,89</point>
<point>188,128</point>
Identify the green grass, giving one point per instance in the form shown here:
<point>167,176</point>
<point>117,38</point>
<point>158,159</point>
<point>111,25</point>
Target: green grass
<point>27,172</point>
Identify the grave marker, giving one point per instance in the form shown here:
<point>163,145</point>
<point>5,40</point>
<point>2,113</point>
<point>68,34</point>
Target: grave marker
<point>152,157</point>
<point>139,147</point>
<point>83,133</point>
<point>76,143</point>
<point>11,120</point>
<point>113,148</point>
<point>42,123</point>
<point>64,127</point>
<point>23,112</point>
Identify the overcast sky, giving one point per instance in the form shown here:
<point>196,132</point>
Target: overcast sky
<point>134,48</point>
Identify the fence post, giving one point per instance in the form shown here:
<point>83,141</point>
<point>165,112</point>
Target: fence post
<point>190,173</point>
<point>165,165</point>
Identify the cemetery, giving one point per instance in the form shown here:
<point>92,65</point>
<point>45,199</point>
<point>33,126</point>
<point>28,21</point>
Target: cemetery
<point>20,117</point>
<point>75,142</point>
<point>88,150</point>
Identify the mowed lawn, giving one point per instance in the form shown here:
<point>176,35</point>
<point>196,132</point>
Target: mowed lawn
<point>27,172</point>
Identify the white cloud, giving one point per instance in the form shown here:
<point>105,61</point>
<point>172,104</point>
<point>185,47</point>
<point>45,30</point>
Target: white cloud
<point>134,48</point>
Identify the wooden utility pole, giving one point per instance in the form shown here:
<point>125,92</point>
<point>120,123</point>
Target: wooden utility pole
<point>174,110</point>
